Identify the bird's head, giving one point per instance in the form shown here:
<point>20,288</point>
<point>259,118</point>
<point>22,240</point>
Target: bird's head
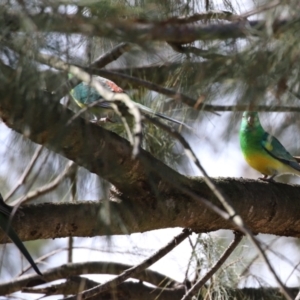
<point>250,122</point>
<point>251,119</point>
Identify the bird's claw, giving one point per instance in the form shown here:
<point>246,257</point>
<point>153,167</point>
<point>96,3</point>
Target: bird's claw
<point>105,120</point>
<point>266,178</point>
<point>102,120</point>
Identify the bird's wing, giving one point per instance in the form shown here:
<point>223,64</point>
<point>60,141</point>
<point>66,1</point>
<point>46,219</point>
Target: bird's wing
<point>277,150</point>
<point>84,94</point>
<point>5,212</point>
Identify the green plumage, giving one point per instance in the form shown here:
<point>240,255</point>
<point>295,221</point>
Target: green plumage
<point>263,151</point>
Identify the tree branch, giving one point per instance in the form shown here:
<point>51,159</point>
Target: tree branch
<point>272,215</point>
<point>135,31</point>
<point>92,267</point>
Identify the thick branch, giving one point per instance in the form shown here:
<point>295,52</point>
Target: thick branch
<point>265,208</point>
<point>135,31</point>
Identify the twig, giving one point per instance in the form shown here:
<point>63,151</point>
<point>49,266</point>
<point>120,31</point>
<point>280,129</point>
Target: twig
<point>213,14</point>
<point>198,285</point>
<point>294,269</point>
<point>26,172</point>
<point>196,51</point>
<point>193,246</point>
<point>246,269</point>
<point>134,270</point>
<point>44,189</point>
<point>70,249</point>
<point>72,176</point>
<point>257,10</point>
<point>111,55</point>
<point>140,32</point>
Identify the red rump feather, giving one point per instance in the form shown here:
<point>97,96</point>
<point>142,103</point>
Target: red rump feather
<point>112,86</point>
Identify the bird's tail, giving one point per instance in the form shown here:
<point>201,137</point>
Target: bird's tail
<point>149,111</point>
<point>5,221</point>
<point>4,224</point>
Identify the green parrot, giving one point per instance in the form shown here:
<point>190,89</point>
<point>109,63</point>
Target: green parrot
<point>5,214</point>
<point>263,151</point>
<point>83,95</point>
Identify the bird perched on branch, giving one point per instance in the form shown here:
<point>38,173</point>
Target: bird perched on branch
<point>5,220</point>
<point>263,151</point>
<point>84,96</point>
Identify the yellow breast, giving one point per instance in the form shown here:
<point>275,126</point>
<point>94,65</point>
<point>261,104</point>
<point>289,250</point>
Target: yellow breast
<point>266,165</point>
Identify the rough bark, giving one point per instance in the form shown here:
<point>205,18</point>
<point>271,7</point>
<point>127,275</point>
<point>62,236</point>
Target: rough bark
<point>266,208</point>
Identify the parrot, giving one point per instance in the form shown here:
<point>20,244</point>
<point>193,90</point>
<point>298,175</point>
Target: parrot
<point>263,151</point>
<point>5,220</point>
<point>83,95</point>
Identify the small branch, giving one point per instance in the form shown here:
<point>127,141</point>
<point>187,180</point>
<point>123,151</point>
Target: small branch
<point>111,55</point>
<point>193,248</point>
<point>196,51</point>
<point>26,172</point>
<point>246,269</point>
<point>73,284</point>
<point>258,10</point>
<point>135,31</point>
<point>258,108</point>
<point>70,249</point>
<point>134,270</point>
<point>91,267</point>
<point>213,14</point>
<point>199,284</point>
<point>46,188</point>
